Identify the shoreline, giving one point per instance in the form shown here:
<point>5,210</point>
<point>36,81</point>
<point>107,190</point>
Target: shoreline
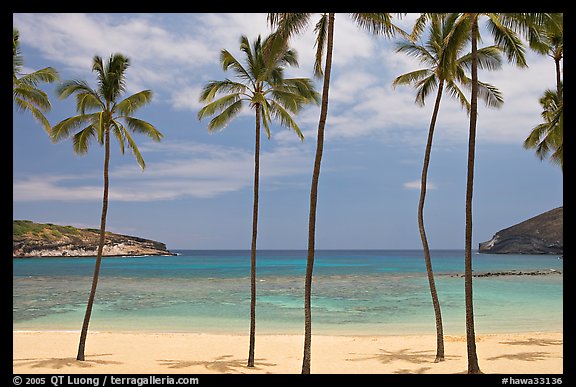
<point>197,353</point>
<point>262,332</point>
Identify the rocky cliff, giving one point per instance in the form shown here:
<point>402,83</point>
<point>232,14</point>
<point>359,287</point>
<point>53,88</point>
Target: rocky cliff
<point>49,240</point>
<point>542,234</point>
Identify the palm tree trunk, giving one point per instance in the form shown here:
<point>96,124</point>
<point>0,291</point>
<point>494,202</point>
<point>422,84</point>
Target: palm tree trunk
<point>253,251</point>
<point>558,79</point>
<point>473,367</point>
<point>84,332</point>
<point>427,259</point>
<point>314,199</point>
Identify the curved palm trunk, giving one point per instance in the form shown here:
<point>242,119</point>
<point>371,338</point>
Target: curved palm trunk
<point>314,199</point>
<point>84,332</point>
<point>427,259</point>
<point>253,251</point>
<point>473,367</point>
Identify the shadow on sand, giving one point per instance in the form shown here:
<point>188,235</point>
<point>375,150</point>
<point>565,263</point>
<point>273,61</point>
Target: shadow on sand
<point>221,364</point>
<point>415,357</point>
<point>524,356</point>
<point>532,341</point>
<point>59,363</point>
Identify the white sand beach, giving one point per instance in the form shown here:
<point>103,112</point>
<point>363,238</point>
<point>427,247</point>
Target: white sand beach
<point>196,353</point>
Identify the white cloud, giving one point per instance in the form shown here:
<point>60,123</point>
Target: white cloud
<point>52,188</point>
<point>174,54</point>
<point>187,170</point>
<point>415,184</point>
<point>186,98</point>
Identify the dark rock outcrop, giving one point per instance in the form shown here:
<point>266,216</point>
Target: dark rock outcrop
<point>542,234</point>
<point>509,273</point>
<point>31,239</point>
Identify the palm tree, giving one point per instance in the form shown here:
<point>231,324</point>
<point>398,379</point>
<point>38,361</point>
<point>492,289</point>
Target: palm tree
<point>108,115</point>
<point>25,92</point>
<point>547,137</point>
<point>287,25</point>
<point>546,37</point>
<point>504,28</point>
<point>263,85</point>
<point>445,69</point>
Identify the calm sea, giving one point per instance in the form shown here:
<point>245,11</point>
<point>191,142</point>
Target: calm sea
<point>354,292</point>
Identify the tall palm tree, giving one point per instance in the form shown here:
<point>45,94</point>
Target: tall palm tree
<point>446,69</point>
<point>270,95</point>
<point>504,28</point>
<point>287,25</point>
<point>102,114</point>
<point>547,138</point>
<point>25,92</point>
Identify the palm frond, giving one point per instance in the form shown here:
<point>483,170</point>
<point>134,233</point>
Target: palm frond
<point>46,75</point>
<point>457,94</point>
<point>303,87</point>
<point>379,24</point>
<point>416,51</point>
<point>295,93</point>
<point>227,60</point>
<point>288,24</point>
<point>413,77</point>
<point>129,105</point>
<point>38,115</point>
<point>87,101</point>
<point>98,122</point>
<point>222,119</point>
<point>490,94</point>
<point>31,96</point>
<point>289,58</point>
<point>547,137</point>
<point>67,88</point>
<point>81,140</point>
<point>425,87</point>
<point>418,27</point>
<point>15,40</point>
<point>219,105</point>
<point>134,148</point>
<point>111,76</point>
<point>535,140</point>
<point>140,126</point>
<point>119,131</point>
<point>508,40</point>
<point>489,58</point>
<point>246,49</point>
<point>63,129</point>
<point>266,118</point>
<point>99,69</point>
<point>321,30</point>
<point>285,118</point>
<point>212,88</point>
<point>272,76</point>
<point>291,101</point>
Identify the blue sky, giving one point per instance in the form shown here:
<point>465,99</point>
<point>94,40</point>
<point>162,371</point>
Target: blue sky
<point>196,191</point>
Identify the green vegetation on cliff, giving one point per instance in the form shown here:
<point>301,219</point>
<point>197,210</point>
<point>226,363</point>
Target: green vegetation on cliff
<point>22,228</point>
<point>46,239</point>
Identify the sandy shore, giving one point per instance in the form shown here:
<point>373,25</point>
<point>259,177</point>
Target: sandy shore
<point>191,353</point>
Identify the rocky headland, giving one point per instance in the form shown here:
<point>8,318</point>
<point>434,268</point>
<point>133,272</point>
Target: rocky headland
<point>542,234</point>
<point>49,240</point>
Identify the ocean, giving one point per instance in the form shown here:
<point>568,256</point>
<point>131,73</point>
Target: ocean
<point>354,292</point>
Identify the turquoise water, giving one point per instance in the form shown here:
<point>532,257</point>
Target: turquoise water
<point>354,292</point>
